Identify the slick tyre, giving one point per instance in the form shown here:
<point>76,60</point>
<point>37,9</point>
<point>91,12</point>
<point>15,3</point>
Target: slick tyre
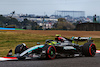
<point>51,52</point>
<point>89,49</point>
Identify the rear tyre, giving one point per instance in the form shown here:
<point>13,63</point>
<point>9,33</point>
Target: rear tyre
<point>89,49</point>
<point>51,52</point>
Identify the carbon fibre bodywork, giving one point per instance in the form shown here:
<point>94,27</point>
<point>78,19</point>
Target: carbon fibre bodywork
<point>63,49</point>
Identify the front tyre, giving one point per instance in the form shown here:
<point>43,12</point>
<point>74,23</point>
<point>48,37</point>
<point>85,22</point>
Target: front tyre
<point>89,49</point>
<point>51,52</point>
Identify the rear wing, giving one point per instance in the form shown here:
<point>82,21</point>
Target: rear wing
<point>81,38</point>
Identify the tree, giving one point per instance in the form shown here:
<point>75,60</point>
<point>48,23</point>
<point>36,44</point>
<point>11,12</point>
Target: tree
<point>61,20</point>
<point>62,24</point>
<point>3,19</point>
<point>32,24</point>
<point>13,21</point>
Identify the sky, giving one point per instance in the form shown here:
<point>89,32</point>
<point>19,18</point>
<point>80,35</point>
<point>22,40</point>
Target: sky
<point>42,7</point>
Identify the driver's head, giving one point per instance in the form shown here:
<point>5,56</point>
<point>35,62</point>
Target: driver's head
<point>23,44</point>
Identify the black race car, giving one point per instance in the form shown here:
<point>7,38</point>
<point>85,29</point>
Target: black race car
<point>52,49</point>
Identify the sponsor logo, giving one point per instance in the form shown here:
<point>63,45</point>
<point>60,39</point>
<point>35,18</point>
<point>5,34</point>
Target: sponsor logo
<point>68,47</point>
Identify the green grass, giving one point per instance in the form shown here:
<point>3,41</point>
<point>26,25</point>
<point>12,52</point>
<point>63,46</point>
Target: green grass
<point>97,42</point>
<point>9,40</point>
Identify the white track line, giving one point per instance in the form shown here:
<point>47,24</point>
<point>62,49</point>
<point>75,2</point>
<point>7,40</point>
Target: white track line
<point>97,51</point>
<point>12,58</point>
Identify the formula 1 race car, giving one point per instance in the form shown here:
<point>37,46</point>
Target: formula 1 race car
<point>66,48</point>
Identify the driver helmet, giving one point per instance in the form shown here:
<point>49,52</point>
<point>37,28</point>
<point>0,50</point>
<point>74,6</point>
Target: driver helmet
<point>23,44</point>
<point>58,35</point>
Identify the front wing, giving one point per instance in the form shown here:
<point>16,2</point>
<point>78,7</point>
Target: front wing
<point>15,58</point>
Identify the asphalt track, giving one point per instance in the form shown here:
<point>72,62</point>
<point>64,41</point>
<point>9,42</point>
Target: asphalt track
<point>58,62</point>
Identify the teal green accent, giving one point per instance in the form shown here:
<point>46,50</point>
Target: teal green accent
<point>72,38</point>
<point>58,43</point>
<point>90,38</point>
<point>36,48</point>
<point>74,48</point>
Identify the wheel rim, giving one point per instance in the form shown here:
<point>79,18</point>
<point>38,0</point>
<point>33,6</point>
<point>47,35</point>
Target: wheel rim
<point>92,49</point>
<point>51,52</point>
